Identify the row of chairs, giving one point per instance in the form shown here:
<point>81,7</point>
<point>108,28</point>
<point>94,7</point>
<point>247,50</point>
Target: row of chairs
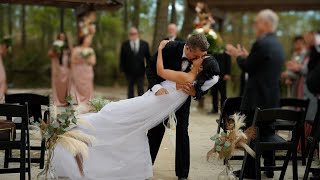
<point>291,119</point>
<point>19,111</point>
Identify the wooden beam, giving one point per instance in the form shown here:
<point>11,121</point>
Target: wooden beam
<point>256,5</point>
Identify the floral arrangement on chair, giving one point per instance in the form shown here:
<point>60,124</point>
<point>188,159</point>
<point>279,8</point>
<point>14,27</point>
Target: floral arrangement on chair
<point>227,142</point>
<point>60,131</point>
<point>98,103</point>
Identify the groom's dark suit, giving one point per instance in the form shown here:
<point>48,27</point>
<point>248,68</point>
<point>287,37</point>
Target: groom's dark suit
<point>172,59</point>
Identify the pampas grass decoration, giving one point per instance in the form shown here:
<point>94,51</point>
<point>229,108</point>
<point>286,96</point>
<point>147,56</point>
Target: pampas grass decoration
<point>73,146</point>
<point>78,135</point>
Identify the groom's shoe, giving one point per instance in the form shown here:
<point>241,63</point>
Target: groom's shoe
<point>179,178</point>
<point>245,175</point>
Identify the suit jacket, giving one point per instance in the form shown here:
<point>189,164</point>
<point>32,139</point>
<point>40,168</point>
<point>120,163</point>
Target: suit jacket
<point>224,61</point>
<point>131,63</point>
<point>176,39</point>
<point>313,76</point>
<point>263,65</point>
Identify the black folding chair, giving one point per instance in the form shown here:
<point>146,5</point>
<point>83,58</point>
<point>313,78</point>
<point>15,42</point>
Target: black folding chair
<point>22,143</point>
<point>35,103</point>
<point>298,105</point>
<point>275,142</point>
<point>315,133</point>
<point>230,106</point>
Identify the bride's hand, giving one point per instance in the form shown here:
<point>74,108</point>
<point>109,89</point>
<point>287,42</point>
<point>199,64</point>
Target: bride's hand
<point>163,44</point>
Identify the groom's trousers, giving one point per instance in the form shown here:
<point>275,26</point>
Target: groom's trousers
<point>182,159</point>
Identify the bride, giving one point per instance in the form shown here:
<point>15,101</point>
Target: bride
<point>121,150</point>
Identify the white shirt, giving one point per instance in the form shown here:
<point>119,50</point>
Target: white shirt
<point>207,85</point>
<point>135,45</point>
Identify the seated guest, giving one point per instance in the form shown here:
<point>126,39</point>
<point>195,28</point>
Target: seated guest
<point>263,65</point>
<point>173,33</point>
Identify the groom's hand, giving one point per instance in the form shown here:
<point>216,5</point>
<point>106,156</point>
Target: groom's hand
<point>189,89</point>
<point>162,91</point>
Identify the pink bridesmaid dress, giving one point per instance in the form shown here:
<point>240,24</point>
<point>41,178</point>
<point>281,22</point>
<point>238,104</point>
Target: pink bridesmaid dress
<point>60,74</point>
<point>82,76</point>
<point>3,84</point>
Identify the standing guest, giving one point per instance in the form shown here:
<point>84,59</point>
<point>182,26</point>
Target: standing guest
<point>224,61</point>
<point>134,53</point>
<point>4,45</point>
<point>294,77</point>
<point>83,59</point>
<point>263,66</point>
<point>60,55</point>
<point>173,33</point>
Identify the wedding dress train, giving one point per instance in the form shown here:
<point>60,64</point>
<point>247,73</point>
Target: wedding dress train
<point>121,151</point>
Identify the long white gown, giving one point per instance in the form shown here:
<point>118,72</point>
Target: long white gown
<point>121,151</point>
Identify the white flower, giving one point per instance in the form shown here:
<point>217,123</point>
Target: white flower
<point>58,43</point>
<point>86,52</point>
<point>213,34</point>
<point>199,30</point>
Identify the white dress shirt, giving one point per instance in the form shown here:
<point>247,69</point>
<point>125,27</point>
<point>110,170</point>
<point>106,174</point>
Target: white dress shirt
<point>135,45</point>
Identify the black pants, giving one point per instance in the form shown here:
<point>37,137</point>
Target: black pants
<point>268,156</point>
<point>132,80</point>
<point>221,88</point>
<point>155,136</point>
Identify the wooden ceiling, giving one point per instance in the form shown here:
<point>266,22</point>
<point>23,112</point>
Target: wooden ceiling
<point>96,4</point>
<point>256,5</point>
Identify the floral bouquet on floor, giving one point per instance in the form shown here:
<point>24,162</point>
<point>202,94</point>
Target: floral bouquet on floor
<point>60,130</point>
<point>226,142</point>
<point>58,46</point>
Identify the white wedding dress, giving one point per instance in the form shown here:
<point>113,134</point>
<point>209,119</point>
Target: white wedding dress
<point>121,151</point>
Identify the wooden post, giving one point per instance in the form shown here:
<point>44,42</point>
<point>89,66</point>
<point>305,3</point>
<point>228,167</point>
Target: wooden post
<point>61,19</point>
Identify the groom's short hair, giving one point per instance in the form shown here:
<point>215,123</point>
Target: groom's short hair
<point>198,41</point>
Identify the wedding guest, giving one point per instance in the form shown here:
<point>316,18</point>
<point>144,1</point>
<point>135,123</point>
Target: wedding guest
<point>173,33</point>
<point>133,57</point>
<point>83,59</point>
<point>60,56</point>
<point>3,84</point>
<point>293,76</point>
<point>224,61</point>
<point>263,65</point>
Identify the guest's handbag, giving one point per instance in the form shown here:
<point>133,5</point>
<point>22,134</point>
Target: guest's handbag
<point>7,131</point>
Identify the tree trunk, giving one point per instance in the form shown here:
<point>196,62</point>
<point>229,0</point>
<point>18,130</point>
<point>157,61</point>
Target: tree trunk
<point>1,20</point>
<point>23,25</point>
<point>9,19</point>
<point>136,13</point>
<point>189,15</point>
<point>125,19</point>
<point>160,23</point>
<point>173,18</point>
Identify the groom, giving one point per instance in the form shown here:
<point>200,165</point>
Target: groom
<point>177,56</point>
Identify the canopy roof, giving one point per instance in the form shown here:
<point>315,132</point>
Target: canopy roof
<point>256,5</point>
<point>96,4</point>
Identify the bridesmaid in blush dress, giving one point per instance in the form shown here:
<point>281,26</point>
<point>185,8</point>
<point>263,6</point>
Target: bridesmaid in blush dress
<point>3,84</point>
<point>83,59</point>
<point>60,70</point>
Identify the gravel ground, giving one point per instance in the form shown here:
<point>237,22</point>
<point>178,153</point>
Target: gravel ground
<point>201,128</point>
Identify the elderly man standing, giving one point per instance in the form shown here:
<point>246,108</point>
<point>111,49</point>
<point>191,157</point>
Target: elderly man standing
<point>134,53</point>
<point>173,33</point>
<point>263,65</point>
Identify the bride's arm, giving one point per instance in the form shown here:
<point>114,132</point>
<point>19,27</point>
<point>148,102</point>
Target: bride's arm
<point>171,75</point>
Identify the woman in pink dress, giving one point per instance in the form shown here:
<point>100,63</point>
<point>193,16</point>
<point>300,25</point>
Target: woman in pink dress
<point>83,59</point>
<point>3,84</point>
<point>60,56</point>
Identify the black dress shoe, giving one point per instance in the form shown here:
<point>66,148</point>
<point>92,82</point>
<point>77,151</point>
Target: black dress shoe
<point>269,174</point>
<point>245,175</point>
<point>179,178</point>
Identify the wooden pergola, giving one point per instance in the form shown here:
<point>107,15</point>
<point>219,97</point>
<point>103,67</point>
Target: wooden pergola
<point>256,5</point>
<point>80,6</point>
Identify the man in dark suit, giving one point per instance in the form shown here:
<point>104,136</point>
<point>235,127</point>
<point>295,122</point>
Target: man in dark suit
<point>173,33</point>
<point>224,61</point>
<point>263,66</point>
<point>177,56</point>
<point>134,53</point>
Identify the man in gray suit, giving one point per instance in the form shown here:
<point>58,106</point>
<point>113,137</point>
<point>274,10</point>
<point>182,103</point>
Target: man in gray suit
<point>263,65</point>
